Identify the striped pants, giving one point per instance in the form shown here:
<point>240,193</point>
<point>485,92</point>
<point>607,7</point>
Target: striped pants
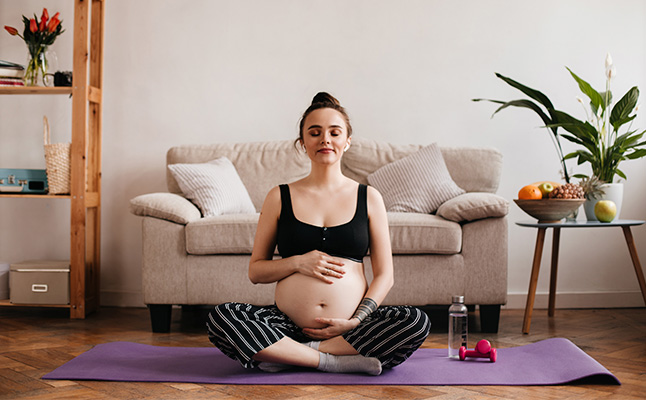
<point>391,333</point>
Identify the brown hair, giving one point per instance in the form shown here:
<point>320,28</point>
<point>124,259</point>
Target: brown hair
<point>323,100</point>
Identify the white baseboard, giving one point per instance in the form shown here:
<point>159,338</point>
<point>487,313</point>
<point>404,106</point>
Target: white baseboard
<point>115,298</point>
<point>579,300</point>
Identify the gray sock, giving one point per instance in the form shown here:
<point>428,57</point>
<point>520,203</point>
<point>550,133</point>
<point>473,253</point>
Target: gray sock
<point>274,367</point>
<point>346,364</point>
<point>315,344</point>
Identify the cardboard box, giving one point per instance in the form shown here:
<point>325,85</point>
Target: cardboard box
<point>40,282</point>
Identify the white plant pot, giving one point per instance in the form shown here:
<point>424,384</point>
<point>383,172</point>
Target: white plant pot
<point>614,192</point>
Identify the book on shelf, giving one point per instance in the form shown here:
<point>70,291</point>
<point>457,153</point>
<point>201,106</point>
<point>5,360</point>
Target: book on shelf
<point>11,81</point>
<point>11,70</point>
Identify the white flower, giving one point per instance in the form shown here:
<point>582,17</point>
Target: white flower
<point>611,71</point>
<point>608,61</point>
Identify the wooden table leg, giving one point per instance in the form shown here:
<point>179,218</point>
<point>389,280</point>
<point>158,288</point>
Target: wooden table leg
<point>633,254</point>
<point>556,232</point>
<point>536,266</point>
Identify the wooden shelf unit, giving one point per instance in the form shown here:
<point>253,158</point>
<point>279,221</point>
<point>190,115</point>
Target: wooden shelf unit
<point>85,185</point>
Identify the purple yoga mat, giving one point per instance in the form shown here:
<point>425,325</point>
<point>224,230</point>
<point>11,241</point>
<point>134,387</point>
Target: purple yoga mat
<point>548,362</point>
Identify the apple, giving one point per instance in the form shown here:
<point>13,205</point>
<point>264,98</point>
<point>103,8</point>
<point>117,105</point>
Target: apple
<point>605,210</point>
<point>545,188</point>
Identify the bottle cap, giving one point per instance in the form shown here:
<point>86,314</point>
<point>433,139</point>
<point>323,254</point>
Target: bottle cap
<point>458,299</point>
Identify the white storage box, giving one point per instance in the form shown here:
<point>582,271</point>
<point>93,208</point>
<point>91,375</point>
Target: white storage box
<point>40,282</point>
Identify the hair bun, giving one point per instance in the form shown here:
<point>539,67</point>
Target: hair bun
<point>324,97</point>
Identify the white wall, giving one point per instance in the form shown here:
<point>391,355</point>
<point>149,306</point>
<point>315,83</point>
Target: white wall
<point>214,71</point>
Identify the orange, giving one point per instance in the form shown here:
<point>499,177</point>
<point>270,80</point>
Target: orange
<point>530,192</point>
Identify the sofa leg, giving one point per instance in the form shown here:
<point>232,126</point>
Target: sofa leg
<point>160,315</point>
<point>489,318</point>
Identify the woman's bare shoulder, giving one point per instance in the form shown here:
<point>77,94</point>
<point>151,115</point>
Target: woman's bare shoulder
<point>375,201</point>
<point>272,202</point>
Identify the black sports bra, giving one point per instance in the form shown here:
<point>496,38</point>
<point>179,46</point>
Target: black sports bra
<point>350,240</point>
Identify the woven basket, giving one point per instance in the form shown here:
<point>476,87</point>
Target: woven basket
<point>57,162</point>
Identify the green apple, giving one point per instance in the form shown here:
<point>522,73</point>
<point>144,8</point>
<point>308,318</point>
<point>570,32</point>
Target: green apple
<point>605,210</point>
<point>545,188</point>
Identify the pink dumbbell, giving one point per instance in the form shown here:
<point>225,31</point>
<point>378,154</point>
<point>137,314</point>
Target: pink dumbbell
<point>483,350</point>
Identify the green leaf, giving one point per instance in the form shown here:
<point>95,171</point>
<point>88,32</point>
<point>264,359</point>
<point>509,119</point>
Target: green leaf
<point>521,103</point>
<point>532,93</point>
<point>525,104</point>
<point>620,173</point>
<point>636,154</point>
<point>621,111</point>
<point>586,88</point>
<point>580,129</point>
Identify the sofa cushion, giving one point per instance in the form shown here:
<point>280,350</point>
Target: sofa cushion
<point>417,183</point>
<point>214,187</point>
<point>412,233</point>
<point>473,206</point>
<point>261,165</point>
<point>168,206</point>
<point>222,234</point>
<point>474,169</point>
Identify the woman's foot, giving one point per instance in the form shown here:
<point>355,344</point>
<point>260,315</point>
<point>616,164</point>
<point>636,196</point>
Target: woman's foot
<point>349,364</point>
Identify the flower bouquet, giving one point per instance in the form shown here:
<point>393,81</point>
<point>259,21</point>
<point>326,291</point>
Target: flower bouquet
<point>38,35</point>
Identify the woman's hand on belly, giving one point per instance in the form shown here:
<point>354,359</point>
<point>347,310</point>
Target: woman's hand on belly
<point>321,266</point>
<point>333,327</point>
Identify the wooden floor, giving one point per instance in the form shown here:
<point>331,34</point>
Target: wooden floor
<point>33,342</point>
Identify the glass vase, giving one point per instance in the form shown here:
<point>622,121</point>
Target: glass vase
<point>37,66</point>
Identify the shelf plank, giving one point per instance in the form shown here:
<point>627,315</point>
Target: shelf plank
<point>35,90</point>
<point>7,303</point>
<point>35,196</point>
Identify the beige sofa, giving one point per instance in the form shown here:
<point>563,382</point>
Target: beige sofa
<point>459,250</point>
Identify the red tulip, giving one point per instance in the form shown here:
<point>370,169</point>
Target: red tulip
<point>12,31</point>
<point>42,25</point>
<point>56,15</point>
<point>33,27</point>
<point>45,16</point>
<point>53,23</point>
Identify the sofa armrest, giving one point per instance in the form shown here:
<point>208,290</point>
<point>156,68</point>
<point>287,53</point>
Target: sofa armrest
<point>168,206</point>
<point>473,206</point>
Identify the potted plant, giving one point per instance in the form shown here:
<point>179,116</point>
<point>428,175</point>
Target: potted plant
<point>604,147</point>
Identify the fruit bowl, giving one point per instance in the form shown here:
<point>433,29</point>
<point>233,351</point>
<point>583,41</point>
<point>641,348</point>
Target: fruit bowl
<point>549,210</point>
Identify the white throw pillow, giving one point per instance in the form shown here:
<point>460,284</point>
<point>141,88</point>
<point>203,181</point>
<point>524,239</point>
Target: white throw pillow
<point>215,187</point>
<point>419,182</point>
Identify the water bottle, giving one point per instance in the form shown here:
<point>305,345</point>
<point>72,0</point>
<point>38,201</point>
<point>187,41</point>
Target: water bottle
<point>458,318</point>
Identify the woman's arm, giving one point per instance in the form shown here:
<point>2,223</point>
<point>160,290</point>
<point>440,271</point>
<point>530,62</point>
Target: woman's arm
<point>264,269</point>
<point>380,249</point>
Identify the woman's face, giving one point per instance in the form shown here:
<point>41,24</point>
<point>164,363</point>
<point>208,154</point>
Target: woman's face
<point>325,135</point>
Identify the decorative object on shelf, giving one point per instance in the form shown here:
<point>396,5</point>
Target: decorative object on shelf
<point>603,147</point>
<point>57,162</point>
<point>11,74</point>
<point>549,210</point>
<point>63,78</point>
<point>38,35</point>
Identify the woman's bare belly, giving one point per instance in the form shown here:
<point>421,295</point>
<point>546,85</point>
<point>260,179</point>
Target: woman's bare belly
<point>304,298</point>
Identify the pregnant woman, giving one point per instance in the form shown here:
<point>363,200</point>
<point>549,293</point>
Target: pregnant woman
<point>325,315</point>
